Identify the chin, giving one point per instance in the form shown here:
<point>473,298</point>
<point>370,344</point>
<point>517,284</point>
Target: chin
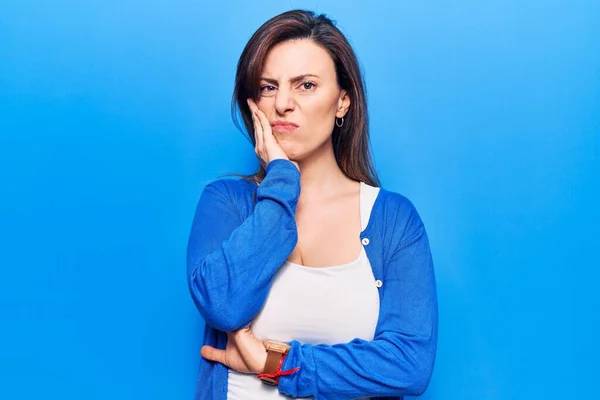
<point>291,151</point>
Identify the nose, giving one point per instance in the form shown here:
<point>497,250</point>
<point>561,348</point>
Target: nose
<point>284,101</point>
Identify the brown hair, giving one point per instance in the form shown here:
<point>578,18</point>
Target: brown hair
<point>351,141</point>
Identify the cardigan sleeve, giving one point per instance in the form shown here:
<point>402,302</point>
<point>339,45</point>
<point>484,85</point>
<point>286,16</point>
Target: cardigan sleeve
<point>230,262</point>
<point>399,360</point>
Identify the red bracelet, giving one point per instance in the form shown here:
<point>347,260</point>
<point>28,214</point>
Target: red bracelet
<point>279,372</point>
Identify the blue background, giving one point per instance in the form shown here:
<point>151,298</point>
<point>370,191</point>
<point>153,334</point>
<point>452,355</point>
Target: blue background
<point>114,114</point>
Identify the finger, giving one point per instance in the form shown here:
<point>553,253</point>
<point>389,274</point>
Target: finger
<point>258,135</point>
<point>272,148</point>
<point>213,354</point>
<point>268,137</point>
<point>251,104</point>
<point>252,107</point>
<point>261,149</point>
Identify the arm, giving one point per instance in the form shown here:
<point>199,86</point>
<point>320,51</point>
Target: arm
<point>230,262</point>
<point>399,360</point>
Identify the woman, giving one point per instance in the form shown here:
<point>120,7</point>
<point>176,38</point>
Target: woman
<point>312,280</point>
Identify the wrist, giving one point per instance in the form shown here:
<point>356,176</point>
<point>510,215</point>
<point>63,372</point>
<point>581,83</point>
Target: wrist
<point>275,353</point>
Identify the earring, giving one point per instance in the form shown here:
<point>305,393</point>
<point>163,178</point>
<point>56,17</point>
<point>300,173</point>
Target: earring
<point>340,124</point>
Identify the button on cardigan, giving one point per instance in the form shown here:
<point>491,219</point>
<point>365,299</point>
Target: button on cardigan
<point>242,233</point>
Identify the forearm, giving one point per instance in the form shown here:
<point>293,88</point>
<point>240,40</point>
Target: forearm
<point>394,364</point>
<point>229,283</point>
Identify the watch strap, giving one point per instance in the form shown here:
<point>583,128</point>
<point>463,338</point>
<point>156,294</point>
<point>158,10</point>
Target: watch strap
<point>276,352</point>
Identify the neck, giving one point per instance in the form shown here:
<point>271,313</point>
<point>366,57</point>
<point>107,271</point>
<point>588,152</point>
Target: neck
<point>320,174</point>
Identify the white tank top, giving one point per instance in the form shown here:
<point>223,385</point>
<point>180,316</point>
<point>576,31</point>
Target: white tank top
<point>326,305</point>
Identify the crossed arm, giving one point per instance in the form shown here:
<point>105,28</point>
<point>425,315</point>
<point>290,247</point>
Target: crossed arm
<point>231,264</point>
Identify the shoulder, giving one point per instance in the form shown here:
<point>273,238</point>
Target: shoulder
<point>232,191</point>
<point>230,186</point>
<point>396,204</point>
<point>398,215</point>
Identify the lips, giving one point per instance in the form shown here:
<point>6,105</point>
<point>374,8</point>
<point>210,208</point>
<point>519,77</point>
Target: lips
<point>282,126</point>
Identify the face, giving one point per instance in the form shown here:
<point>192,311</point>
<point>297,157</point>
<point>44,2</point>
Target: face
<point>299,86</point>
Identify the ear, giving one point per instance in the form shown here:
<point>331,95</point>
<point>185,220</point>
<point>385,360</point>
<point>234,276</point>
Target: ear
<point>343,104</point>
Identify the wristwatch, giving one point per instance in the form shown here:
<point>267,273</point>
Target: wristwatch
<point>275,352</point>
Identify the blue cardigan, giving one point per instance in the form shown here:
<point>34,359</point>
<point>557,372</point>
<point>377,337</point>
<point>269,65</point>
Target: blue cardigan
<point>240,236</point>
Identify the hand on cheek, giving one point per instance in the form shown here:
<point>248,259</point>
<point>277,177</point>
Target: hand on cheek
<point>266,147</point>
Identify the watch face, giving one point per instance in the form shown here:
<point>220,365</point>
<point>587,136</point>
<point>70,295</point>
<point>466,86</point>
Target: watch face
<point>278,346</point>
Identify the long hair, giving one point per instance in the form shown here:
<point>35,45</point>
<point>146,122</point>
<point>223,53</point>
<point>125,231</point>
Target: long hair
<point>351,141</point>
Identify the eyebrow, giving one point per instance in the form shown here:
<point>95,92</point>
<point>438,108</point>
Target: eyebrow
<point>292,80</point>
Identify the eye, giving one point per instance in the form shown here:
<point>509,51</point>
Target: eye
<point>267,88</point>
<point>308,86</point>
